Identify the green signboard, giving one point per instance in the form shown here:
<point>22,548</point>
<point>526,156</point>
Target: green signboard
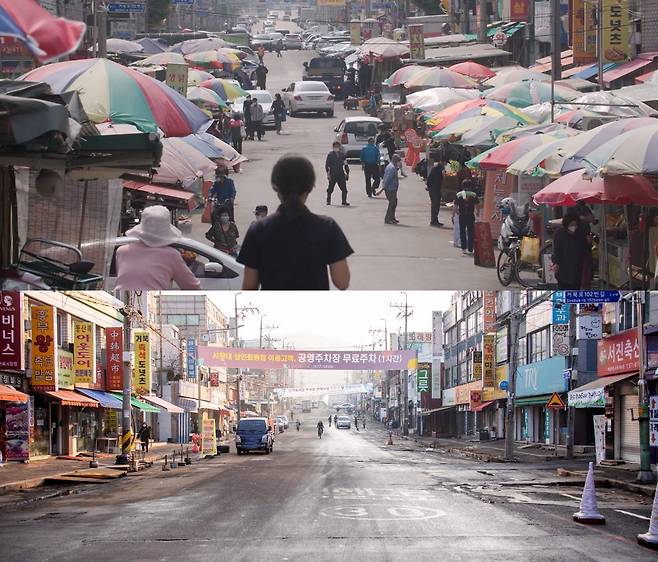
<point>423,375</point>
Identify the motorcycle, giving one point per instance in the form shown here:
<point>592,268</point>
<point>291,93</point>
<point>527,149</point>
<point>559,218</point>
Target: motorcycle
<point>517,223</point>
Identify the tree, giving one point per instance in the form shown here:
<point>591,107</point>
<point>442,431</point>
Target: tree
<point>430,7</point>
<point>158,10</point>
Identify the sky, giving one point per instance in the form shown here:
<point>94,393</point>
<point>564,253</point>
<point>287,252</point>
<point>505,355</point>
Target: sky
<point>331,320</point>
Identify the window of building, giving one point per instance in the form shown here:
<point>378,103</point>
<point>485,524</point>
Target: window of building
<point>523,351</point>
<point>539,345</point>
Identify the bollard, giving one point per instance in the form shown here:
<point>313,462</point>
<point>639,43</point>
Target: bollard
<point>188,460</point>
<point>93,463</point>
<point>174,464</point>
<point>165,467</point>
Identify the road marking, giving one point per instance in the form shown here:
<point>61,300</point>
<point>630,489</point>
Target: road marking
<point>570,496</point>
<point>633,514</point>
<point>382,512</point>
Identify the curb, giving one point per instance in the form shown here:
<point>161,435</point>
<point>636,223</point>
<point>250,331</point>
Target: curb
<point>633,487</point>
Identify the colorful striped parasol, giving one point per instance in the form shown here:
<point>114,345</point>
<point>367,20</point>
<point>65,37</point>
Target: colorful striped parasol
<point>529,92</point>
<point>401,75</point>
<point>437,77</point>
<point>228,90</point>
<point>196,76</point>
<point>473,70</point>
<point>214,59</point>
<point>205,98</point>
<point>160,59</point>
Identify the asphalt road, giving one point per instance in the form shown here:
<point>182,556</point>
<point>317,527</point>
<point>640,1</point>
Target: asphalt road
<point>412,255</point>
<point>347,497</point>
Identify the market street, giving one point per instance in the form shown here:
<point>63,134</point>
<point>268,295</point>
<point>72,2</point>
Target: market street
<point>384,255</point>
<point>325,499</point>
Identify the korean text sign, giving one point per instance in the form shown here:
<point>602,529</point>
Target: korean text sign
<point>65,377</point>
<point>416,41</point>
<point>191,358</point>
<point>142,367</point>
<point>616,24</point>
<point>489,360</point>
<point>44,348</point>
<point>83,352</point>
<point>316,360</point>
<point>618,354</point>
<point>208,437</point>
<point>114,345</point>
<point>423,375</point>
<point>11,338</point>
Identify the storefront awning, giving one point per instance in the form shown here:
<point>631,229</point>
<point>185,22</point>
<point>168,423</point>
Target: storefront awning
<point>592,70</point>
<point>533,400</point>
<point>10,394</point>
<point>143,406</point>
<point>103,398</point>
<point>192,405</point>
<point>482,406</point>
<point>162,403</point>
<point>72,398</point>
<point>592,394</point>
<point>441,409</point>
<point>625,69</point>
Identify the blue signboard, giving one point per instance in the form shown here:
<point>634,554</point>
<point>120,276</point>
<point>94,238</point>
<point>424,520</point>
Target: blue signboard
<point>542,377</point>
<point>125,8</point>
<point>561,310</point>
<point>191,359</point>
<point>584,297</point>
<point>503,385</point>
<point>190,2</point>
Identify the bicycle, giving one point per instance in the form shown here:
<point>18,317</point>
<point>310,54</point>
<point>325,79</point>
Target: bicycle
<point>510,267</point>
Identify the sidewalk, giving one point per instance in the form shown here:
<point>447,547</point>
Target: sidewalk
<point>620,476</point>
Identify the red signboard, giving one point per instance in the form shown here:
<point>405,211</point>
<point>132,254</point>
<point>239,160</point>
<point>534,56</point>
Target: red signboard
<point>618,354</point>
<point>519,10</point>
<point>11,339</point>
<point>489,311</point>
<point>476,399</point>
<point>114,346</point>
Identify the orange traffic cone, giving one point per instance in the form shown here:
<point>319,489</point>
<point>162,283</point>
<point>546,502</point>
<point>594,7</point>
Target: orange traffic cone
<point>589,511</point>
<point>650,538</point>
<point>390,438</point>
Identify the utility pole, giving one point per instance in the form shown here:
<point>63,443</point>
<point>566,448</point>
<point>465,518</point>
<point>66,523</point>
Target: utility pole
<point>101,19</point>
<point>404,312</point>
<point>482,26</point>
<point>599,42</point>
<point>126,429</point>
<point>556,43</point>
<point>645,476</point>
<point>531,34</point>
<point>571,413</point>
<point>236,343</point>
<point>515,321</point>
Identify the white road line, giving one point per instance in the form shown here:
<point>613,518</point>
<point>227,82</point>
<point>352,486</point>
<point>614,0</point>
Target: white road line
<point>570,496</point>
<point>633,514</point>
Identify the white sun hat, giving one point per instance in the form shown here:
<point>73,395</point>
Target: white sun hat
<point>155,229</point>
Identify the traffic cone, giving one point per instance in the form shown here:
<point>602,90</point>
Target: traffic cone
<point>650,538</point>
<point>390,438</point>
<point>589,511</point>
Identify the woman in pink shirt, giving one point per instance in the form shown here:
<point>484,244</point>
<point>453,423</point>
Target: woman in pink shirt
<point>151,263</point>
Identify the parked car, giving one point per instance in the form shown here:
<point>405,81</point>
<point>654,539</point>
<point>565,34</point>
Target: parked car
<point>353,133</point>
<point>254,434</point>
<point>283,421</point>
<point>265,99</point>
<point>308,96</point>
<point>265,40</point>
<point>343,422</point>
<point>292,41</point>
<point>217,271</point>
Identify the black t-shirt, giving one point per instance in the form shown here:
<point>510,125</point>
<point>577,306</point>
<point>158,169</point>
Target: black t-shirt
<point>466,206</point>
<point>293,253</point>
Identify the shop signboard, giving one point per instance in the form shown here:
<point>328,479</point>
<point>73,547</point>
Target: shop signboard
<point>423,376</point>
<point>449,397</point>
<point>583,32</point>
<point>191,358</point>
<point>499,391</point>
<point>561,339</point>
<point>519,10</point>
<point>488,360</point>
<point>84,356</point>
<point>208,437</point>
<point>477,365</point>
<point>44,348</point>
<point>653,421</point>
<point>65,375</point>
<point>589,327</point>
<point>463,392</point>
<point>489,311</point>
<point>561,310</point>
<point>591,398</point>
<point>176,77</point>
<point>11,337</point>
<point>542,377</point>
<point>114,345</point>
<point>616,23</point>
<point>618,354</point>
<point>355,32</point>
<point>142,367</point>
<point>476,399</point>
<point>416,41</point>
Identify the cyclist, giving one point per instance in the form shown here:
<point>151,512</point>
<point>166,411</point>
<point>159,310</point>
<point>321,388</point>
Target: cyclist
<point>320,429</point>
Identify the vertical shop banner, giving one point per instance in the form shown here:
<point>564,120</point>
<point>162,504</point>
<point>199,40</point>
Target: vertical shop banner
<point>653,421</point>
<point>489,360</point>
<point>44,348</point>
<point>519,10</point>
<point>84,355</point>
<point>477,365</point>
<point>355,32</point>
<point>176,77</point>
<point>18,419</point>
<point>423,376</point>
<point>65,375</point>
<point>616,22</point>
<point>583,32</point>
<point>114,354</point>
<point>11,336</point>
<point>561,310</point>
<point>142,367</point>
<point>208,437</point>
<point>191,358</point>
<point>416,41</point>
<point>488,311</point>
<point>437,335</point>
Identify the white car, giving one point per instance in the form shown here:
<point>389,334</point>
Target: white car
<point>343,422</point>
<point>215,270</point>
<point>292,41</point>
<point>353,133</point>
<point>308,96</point>
<point>265,100</point>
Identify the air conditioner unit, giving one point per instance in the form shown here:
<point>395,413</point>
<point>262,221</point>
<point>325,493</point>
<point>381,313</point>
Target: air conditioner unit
<point>589,123</point>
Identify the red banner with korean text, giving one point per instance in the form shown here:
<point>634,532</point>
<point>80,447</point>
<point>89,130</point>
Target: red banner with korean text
<point>114,354</point>
<point>11,336</point>
<point>44,348</point>
<point>618,354</point>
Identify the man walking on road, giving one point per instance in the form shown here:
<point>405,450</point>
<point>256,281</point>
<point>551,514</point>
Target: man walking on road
<point>329,420</point>
<point>246,111</point>
<point>261,76</point>
<point>466,205</point>
<point>257,115</point>
<point>370,157</point>
<point>434,184</point>
<point>338,172</point>
<point>356,422</point>
<point>391,184</point>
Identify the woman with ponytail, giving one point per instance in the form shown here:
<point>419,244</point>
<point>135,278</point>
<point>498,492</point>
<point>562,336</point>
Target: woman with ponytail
<point>294,249</point>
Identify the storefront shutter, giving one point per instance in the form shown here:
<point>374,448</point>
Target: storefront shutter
<point>630,429</point>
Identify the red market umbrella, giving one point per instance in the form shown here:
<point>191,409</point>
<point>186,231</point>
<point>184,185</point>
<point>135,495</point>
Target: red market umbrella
<point>615,190</point>
<point>473,70</point>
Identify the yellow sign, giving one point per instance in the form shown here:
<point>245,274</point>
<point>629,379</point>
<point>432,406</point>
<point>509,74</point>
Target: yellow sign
<point>495,392</point>
<point>176,77</point>
<point>84,357</point>
<point>555,401</point>
<point>416,41</point>
<point>355,32</point>
<point>616,44</point>
<point>65,376</point>
<point>44,348</point>
<point>477,365</point>
<point>488,360</point>
<point>330,3</point>
<point>208,437</point>
<point>142,367</point>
